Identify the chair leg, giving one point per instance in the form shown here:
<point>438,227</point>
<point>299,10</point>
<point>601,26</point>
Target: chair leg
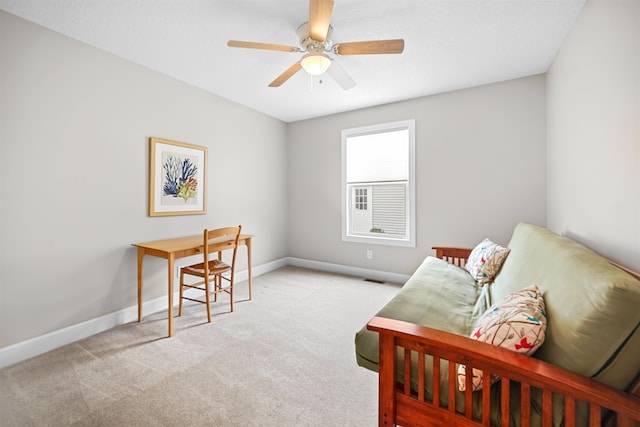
<point>231,294</point>
<point>206,287</point>
<point>181,288</point>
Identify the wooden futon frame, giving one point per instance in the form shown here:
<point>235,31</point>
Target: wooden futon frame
<point>401,405</point>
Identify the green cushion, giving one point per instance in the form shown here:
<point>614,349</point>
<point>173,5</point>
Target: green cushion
<point>593,307</point>
<point>438,295</point>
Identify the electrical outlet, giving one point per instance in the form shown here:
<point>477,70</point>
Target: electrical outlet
<point>369,254</point>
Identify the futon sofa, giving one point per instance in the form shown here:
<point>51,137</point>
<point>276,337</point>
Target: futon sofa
<point>584,370</point>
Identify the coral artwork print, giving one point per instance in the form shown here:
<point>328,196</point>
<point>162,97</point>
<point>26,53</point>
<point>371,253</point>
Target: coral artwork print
<point>177,178</point>
<point>180,177</point>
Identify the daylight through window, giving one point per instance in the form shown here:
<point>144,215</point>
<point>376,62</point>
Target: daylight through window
<point>378,187</point>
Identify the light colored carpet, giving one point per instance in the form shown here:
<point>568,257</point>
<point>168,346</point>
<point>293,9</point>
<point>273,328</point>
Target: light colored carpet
<point>286,358</point>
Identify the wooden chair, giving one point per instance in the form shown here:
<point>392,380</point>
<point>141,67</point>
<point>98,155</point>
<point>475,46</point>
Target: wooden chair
<point>212,271</point>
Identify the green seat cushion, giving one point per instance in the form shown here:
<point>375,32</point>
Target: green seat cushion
<point>438,295</point>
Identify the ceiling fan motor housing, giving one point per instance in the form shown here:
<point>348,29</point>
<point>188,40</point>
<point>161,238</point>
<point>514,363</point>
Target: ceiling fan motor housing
<point>310,45</point>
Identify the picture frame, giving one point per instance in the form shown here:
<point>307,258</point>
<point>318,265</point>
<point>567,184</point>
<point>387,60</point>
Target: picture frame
<point>177,178</point>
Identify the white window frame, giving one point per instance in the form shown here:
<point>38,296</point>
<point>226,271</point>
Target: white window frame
<point>410,239</point>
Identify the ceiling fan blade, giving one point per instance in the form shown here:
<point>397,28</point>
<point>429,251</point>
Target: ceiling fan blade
<point>341,77</point>
<point>266,46</point>
<point>369,47</point>
<point>319,18</point>
<point>286,75</point>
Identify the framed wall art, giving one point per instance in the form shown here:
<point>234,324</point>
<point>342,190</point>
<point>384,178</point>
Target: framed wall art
<point>177,178</point>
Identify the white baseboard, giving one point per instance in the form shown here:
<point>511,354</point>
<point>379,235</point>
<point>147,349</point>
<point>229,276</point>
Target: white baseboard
<point>366,273</point>
<point>44,343</point>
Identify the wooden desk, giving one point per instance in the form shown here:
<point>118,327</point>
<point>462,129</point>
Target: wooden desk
<point>172,249</point>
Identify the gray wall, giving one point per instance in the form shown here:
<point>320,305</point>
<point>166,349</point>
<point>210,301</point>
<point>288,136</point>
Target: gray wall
<point>594,131</point>
<point>74,170</point>
<point>480,169</point>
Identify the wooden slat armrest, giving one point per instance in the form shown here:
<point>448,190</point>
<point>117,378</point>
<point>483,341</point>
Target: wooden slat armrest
<point>502,362</point>
<point>454,255</point>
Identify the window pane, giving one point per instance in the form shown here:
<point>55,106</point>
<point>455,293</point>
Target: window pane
<point>385,213</point>
<point>378,157</point>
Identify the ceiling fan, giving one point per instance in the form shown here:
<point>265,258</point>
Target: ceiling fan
<point>315,37</point>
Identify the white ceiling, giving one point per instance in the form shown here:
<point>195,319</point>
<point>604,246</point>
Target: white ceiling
<point>449,44</point>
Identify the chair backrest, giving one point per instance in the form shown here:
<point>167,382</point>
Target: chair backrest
<point>232,234</point>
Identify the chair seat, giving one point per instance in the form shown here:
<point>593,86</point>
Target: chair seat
<point>215,267</point>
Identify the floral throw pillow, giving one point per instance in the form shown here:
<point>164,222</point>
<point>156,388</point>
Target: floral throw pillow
<point>517,322</point>
<point>485,261</point>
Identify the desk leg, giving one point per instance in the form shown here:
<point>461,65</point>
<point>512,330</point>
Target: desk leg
<point>249,264</point>
<point>170,262</point>
<point>140,259</point>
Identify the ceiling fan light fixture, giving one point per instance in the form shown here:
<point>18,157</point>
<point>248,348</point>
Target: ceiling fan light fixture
<point>315,63</point>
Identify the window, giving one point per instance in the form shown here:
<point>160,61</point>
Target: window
<point>361,199</point>
<point>378,190</point>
